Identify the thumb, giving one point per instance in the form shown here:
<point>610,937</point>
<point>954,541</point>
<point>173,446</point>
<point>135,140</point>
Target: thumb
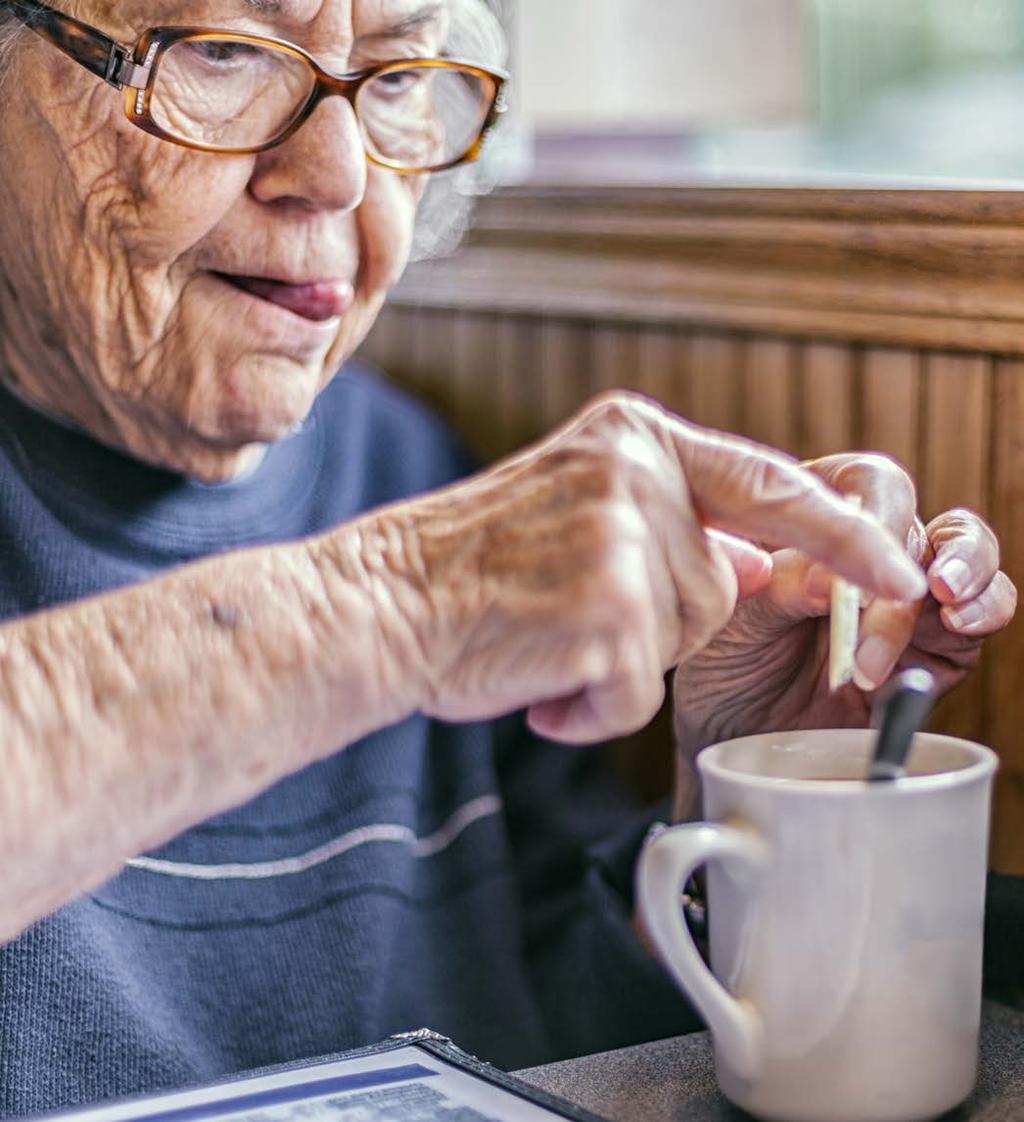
<point>752,566</point>
<point>799,589</point>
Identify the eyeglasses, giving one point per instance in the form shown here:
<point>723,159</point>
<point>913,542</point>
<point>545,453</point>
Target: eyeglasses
<point>232,93</point>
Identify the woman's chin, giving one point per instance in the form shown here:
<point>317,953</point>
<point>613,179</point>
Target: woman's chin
<point>258,404</point>
<point>221,417</point>
<point>206,460</point>
<point>217,447</point>
<point>234,433</point>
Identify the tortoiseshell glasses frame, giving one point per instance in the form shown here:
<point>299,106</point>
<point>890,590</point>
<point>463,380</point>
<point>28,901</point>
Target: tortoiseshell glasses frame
<point>134,70</point>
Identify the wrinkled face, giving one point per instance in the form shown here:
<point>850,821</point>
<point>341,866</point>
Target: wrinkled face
<point>183,306</point>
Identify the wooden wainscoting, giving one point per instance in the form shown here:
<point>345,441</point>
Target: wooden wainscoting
<point>505,363</point>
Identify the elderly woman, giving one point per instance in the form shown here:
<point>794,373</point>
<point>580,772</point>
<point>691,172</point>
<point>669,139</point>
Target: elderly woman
<point>257,800</point>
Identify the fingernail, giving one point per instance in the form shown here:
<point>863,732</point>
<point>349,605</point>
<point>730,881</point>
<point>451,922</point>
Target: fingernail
<point>966,615</point>
<point>875,658</point>
<point>955,574</point>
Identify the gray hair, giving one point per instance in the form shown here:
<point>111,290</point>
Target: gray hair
<point>477,33</point>
<point>10,33</point>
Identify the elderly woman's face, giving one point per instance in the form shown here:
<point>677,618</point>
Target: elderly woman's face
<point>182,305</point>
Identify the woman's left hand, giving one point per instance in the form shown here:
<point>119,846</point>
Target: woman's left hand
<point>768,669</point>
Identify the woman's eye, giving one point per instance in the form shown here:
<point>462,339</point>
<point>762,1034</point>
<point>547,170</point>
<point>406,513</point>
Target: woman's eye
<point>398,81</point>
<point>222,51</point>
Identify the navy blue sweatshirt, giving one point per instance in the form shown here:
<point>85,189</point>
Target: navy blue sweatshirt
<point>467,878</point>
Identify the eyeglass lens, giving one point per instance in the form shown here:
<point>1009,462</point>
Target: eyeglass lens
<point>230,94</point>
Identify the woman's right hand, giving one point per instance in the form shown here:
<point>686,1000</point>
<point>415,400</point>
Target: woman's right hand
<point>570,577</point>
<point>566,579</point>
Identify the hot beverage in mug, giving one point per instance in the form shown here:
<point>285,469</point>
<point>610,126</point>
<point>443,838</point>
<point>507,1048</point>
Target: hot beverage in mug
<point>845,923</point>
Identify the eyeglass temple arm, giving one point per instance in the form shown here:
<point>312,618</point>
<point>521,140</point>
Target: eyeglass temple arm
<point>98,53</point>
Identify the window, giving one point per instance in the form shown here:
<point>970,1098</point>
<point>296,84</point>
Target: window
<point>776,91</point>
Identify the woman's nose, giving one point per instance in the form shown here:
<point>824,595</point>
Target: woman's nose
<point>322,166</point>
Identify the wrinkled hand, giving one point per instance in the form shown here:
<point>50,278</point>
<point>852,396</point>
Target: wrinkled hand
<point>569,578</point>
<point>768,669</point>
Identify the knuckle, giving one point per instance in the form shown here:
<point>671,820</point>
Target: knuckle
<point>983,530</point>
<point>707,606</point>
<point>618,412</point>
<point>722,593</point>
<point>623,463</point>
<point>750,475</point>
<point>959,519</point>
<point>605,584</point>
<point>884,471</point>
<point>964,516</point>
<point>605,529</point>
<point>617,406</point>
<point>621,602</point>
<point>652,697</point>
<point>639,682</point>
<point>962,522</point>
<point>762,479</point>
<point>593,660</point>
<point>765,477</point>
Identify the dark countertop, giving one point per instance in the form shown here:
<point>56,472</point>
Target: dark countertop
<point>674,1080</point>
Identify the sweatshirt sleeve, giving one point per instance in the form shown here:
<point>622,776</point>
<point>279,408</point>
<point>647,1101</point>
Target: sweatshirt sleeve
<point>576,835</point>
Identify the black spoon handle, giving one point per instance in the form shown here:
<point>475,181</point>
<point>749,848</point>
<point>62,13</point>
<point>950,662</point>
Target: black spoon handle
<point>901,712</point>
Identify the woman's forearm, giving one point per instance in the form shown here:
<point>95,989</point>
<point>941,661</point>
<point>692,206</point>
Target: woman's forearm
<point>566,580</point>
<point>126,718</point>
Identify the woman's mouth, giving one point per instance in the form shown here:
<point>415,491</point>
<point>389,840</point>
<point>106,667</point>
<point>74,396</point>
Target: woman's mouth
<point>317,300</point>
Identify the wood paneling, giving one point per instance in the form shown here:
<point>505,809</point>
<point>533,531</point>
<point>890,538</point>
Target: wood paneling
<point>955,451</point>
<point>827,398</point>
<point>564,346</point>
<point>472,374</point>
<point>771,393</point>
<point>716,380</point>
<point>887,403</point>
<point>955,431</point>
<point>505,371</point>
<point>914,268</point>
<point>664,371</point>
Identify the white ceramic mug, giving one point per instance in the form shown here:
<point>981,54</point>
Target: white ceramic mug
<point>845,923</point>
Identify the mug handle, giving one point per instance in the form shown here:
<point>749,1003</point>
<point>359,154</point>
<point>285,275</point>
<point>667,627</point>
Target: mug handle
<point>666,863</point>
